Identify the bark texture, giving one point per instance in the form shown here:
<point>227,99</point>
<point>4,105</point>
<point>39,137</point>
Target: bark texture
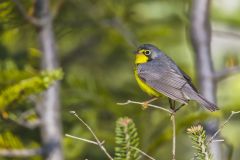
<point>200,32</point>
<point>50,107</point>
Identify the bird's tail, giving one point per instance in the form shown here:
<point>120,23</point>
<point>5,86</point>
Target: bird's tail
<point>209,105</point>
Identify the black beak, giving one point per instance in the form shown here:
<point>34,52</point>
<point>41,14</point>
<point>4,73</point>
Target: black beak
<point>135,52</point>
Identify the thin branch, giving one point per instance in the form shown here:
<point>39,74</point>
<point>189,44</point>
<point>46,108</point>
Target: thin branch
<point>20,152</point>
<point>223,125</point>
<point>82,139</point>
<point>99,143</point>
<point>22,120</point>
<point>143,153</point>
<point>30,19</point>
<point>225,34</point>
<point>218,140</point>
<point>220,75</point>
<point>30,125</point>
<point>174,137</point>
<point>118,24</point>
<point>141,103</point>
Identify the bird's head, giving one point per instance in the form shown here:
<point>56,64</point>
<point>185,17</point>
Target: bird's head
<point>146,53</point>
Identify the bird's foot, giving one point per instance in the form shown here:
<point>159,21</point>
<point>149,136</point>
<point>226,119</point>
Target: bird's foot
<point>178,108</point>
<point>145,103</point>
<point>173,112</point>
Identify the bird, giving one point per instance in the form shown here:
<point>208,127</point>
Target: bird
<point>157,74</point>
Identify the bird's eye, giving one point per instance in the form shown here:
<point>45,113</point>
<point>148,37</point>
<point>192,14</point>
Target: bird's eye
<point>147,52</point>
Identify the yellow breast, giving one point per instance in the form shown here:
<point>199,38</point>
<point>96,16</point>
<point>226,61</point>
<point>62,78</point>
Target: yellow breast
<point>146,88</point>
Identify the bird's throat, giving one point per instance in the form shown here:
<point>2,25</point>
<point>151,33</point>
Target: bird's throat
<point>141,58</point>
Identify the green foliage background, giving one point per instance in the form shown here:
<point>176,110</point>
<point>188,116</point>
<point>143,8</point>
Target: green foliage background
<point>97,62</point>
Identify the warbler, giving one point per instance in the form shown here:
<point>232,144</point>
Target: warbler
<point>158,74</point>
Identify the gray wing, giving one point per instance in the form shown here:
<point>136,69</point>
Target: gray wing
<point>179,71</point>
<point>164,79</point>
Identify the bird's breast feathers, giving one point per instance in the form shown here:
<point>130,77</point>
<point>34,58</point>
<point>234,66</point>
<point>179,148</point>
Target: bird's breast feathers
<point>146,88</point>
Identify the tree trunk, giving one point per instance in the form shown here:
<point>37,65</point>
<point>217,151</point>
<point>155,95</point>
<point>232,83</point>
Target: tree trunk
<point>49,107</point>
<point>200,31</point>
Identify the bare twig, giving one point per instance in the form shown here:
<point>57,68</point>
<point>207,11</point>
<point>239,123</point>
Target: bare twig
<point>225,34</point>
<point>174,137</point>
<point>223,125</point>
<point>220,75</point>
<point>218,140</point>
<point>20,152</point>
<point>99,143</point>
<point>141,103</point>
<point>82,139</point>
<point>30,19</point>
<point>143,153</point>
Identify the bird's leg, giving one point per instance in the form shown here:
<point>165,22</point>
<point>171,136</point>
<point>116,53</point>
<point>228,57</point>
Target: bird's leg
<point>178,108</point>
<point>173,107</point>
<point>145,103</point>
<point>172,104</point>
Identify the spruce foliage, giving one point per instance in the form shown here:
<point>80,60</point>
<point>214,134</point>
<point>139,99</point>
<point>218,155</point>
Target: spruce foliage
<point>198,137</point>
<point>126,138</point>
<point>26,87</point>
<point>10,141</point>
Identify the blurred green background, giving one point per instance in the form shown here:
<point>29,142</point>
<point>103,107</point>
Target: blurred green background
<point>94,52</point>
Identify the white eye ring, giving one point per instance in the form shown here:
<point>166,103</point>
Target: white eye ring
<point>147,52</point>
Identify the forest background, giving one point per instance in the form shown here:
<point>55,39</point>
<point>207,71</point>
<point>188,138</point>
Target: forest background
<point>88,46</point>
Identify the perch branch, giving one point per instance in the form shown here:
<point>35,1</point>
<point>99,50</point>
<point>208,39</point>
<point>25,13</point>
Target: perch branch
<point>143,153</point>
<point>174,137</point>
<point>141,103</point>
<point>223,125</point>
<point>99,143</point>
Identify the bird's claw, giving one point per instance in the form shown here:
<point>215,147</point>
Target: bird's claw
<point>173,111</point>
<point>145,105</point>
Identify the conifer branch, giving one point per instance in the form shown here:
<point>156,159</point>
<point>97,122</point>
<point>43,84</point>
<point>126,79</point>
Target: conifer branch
<point>172,113</point>
<point>126,139</point>
<point>198,137</point>
<point>29,86</point>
